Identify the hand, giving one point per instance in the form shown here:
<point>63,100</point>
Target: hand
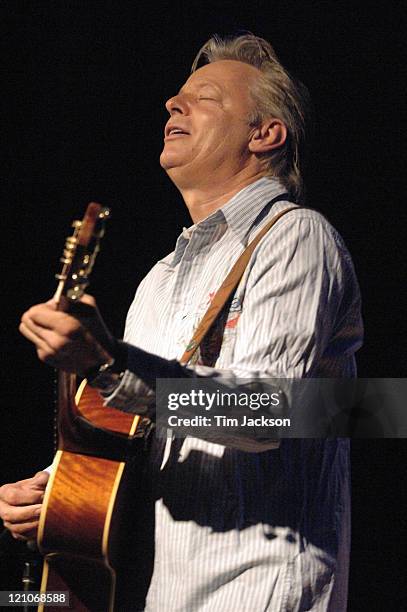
<point>75,342</point>
<point>20,505</point>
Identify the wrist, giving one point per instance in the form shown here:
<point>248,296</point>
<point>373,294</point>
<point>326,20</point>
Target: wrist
<point>107,373</point>
<point>104,377</point>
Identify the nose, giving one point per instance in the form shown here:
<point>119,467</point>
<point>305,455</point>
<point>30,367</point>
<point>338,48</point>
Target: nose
<point>177,104</point>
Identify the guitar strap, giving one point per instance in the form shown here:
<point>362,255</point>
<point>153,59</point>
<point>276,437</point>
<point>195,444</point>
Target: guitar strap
<point>229,285</point>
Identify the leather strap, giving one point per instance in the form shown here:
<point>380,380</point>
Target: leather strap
<point>227,287</point>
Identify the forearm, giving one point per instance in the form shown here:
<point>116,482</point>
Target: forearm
<point>136,394</point>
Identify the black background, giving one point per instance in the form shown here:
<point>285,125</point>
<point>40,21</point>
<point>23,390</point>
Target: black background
<point>83,112</point>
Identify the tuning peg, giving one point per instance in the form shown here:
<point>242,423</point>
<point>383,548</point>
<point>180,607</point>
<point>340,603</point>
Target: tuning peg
<point>104,213</point>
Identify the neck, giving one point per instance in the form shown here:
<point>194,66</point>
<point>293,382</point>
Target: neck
<point>203,200</point>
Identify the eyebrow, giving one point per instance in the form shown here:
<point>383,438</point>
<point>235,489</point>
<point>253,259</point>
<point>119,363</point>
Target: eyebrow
<point>203,84</point>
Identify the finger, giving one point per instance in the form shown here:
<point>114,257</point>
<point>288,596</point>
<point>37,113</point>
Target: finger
<point>18,515</point>
<point>44,315</point>
<point>50,343</point>
<point>26,530</point>
<point>33,337</point>
<point>14,495</point>
<point>46,344</point>
<point>40,479</point>
<point>20,538</point>
<point>56,330</point>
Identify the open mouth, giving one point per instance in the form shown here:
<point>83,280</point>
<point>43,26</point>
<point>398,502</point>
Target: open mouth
<point>174,132</point>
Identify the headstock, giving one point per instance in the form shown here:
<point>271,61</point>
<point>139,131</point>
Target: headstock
<point>80,253</point>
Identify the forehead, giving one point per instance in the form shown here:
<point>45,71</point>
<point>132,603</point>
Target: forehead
<point>228,75</point>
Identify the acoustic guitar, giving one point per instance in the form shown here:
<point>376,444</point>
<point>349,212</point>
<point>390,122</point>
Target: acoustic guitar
<point>95,527</point>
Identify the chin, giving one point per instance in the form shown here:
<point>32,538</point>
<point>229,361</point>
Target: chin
<point>166,162</point>
<point>162,160</point>
<point>170,165</point>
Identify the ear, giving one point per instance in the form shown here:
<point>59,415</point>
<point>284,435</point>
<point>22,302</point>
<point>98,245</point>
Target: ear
<point>270,135</point>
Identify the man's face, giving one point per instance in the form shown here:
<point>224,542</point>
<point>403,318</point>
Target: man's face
<point>208,132</point>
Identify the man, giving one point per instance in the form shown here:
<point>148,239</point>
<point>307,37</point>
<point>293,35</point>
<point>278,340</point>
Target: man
<point>240,525</point>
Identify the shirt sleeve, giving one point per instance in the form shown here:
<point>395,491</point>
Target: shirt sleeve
<point>301,306</point>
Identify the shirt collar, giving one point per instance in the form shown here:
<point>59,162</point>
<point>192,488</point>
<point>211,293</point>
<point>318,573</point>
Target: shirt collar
<point>240,212</point>
<point>244,208</point>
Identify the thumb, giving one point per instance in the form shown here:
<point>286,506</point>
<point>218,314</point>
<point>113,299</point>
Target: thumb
<point>88,299</point>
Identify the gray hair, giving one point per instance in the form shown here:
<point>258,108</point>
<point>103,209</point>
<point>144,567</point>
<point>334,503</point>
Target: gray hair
<point>275,94</point>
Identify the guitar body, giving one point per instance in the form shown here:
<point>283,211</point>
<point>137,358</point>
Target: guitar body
<point>90,586</point>
<point>87,522</point>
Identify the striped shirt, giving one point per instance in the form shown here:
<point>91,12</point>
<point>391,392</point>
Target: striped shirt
<point>244,525</point>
